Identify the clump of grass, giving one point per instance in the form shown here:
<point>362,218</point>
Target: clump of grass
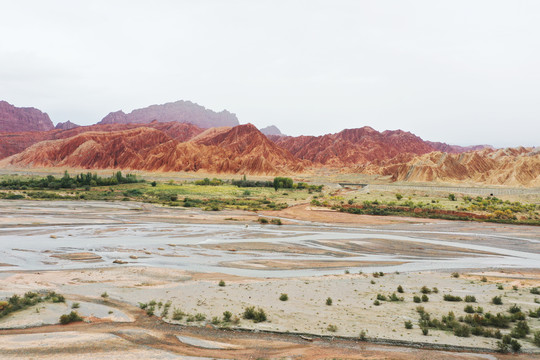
<point>394,297</point>
<point>69,318</point>
<point>347,272</point>
<point>75,305</point>
<point>372,282</point>
<point>381,297</point>
<point>521,330</point>
<point>262,220</point>
<point>470,298</point>
<point>276,222</point>
<point>376,303</point>
<point>284,297</point>
<point>221,283</point>
<point>425,331</point>
<point>363,336</point>
<point>425,290</point>
<point>500,287</point>
<point>469,309</point>
<point>514,309</point>
<point>105,295</point>
<point>329,301</point>
<point>484,279</point>
<point>425,298</point>
<point>535,291</point>
<point>417,299</point>
<point>455,275</point>
<point>400,289</point>
<point>227,315</point>
<point>332,328</point>
<point>178,314</point>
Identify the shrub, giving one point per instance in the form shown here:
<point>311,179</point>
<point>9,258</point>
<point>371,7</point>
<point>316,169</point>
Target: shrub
<point>535,291</point>
<point>276,222</point>
<point>425,331</point>
<point>221,283</point>
<point>284,297</point>
<point>514,309</point>
<point>256,315</point>
<point>400,289</point>
<point>425,298</point>
<point>376,303</point>
<point>408,324</point>
<point>500,287</point>
<point>227,315</point>
<point>381,297</point>
<point>105,295</point>
<point>417,299</point>
<point>69,318</point>
<point>435,290</point>
<point>75,305</point>
<point>484,279</point>
<point>263,220</point>
<point>469,309</point>
<point>521,330</point>
<point>153,183</point>
<point>462,330</point>
<point>497,300</point>
<point>215,320</point>
<point>394,297</point>
<point>455,275</point>
<point>449,297</point>
<point>329,301</point>
<point>332,328</point>
<point>470,298</point>
<point>536,338</point>
<point>362,336</point>
<point>425,290</point>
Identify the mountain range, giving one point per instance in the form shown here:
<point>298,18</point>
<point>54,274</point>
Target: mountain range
<point>183,136</point>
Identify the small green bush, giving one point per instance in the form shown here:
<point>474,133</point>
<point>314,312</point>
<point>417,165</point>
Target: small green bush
<point>417,299</point>
<point>221,283</point>
<point>284,297</point>
<point>470,298</point>
<point>469,309</point>
<point>400,289</point>
<point>449,297</point>
<point>329,301</point>
<point>69,318</point>
<point>227,315</point>
<point>408,324</point>
<point>425,298</point>
<point>425,290</point>
<point>497,300</point>
<point>332,328</point>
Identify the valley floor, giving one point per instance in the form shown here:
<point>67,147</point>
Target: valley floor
<point>175,258</point>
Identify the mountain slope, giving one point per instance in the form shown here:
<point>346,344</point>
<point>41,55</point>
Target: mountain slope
<point>16,119</point>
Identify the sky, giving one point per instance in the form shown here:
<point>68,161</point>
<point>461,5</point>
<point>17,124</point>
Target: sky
<point>461,72</point>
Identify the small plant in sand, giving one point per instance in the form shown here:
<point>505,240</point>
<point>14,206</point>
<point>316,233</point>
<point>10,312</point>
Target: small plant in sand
<point>417,299</point>
<point>227,315</point>
<point>514,309</point>
<point>347,272</point>
<point>329,301</point>
<point>408,324</point>
<point>500,287</point>
<point>470,298</point>
<point>284,297</point>
<point>372,282</point>
<point>376,303</point>
<point>425,331</point>
<point>450,297</point>
<point>484,279</point>
<point>521,330</point>
<point>425,290</point>
<point>105,295</point>
<point>215,320</point>
<point>536,338</point>
<point>69,318</point>
<point>200,317</point>
<point>535,291</point>
<point>455,275</point>
<point>469,309</point>
<point>263,220</point>
<point>178,314</point>
<point>425,298</point>
<point>75,305</point>
<point>497,300</point>
<point>332,328</point>
<point>221,283</point>
<point>400,289</point>
<point>381,297</point>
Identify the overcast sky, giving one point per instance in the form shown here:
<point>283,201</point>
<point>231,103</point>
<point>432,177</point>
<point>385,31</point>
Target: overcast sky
<point>462,72</point>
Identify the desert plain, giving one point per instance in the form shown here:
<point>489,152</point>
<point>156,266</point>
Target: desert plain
<point>153,281</point>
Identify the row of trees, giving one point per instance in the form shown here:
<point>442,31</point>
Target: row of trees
<point>68,182</point>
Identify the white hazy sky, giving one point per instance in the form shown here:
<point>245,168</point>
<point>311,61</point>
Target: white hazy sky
<point>462,72</point>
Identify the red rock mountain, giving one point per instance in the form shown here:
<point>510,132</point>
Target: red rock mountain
<point>513,167</point>
<point>66,125</point>
<point>353,146</point>
<point>456,149</point>
<point>16,119</point>
<point>242,149</point>
<point>180,111</point>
